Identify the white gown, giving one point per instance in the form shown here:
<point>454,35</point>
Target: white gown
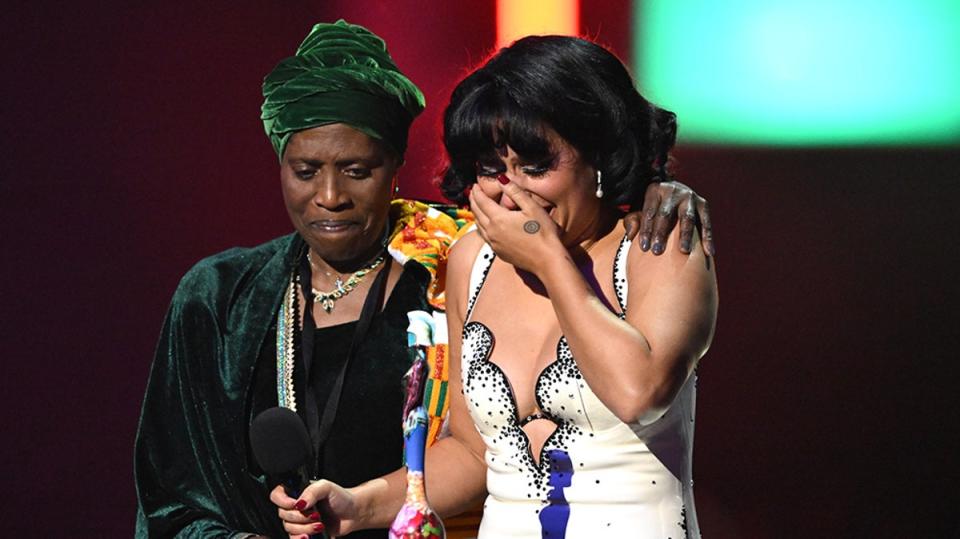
<point>597,476</point>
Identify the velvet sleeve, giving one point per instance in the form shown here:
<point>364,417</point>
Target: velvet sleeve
<point>189,463</point>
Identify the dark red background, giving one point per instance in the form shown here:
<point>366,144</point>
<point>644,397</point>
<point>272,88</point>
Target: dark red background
<point>132,148</point>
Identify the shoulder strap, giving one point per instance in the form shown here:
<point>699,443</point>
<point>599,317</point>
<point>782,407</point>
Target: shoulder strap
<point>481,266</point>
<point>620,285</point>
<point>371,305</point>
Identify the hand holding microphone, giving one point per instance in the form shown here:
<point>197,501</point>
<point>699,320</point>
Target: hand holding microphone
<point>282,447</point>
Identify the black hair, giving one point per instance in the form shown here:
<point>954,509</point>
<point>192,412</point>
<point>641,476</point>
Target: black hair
<point>577,88</point>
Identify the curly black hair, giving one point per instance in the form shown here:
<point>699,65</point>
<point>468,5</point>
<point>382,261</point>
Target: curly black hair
<point>577,88</point>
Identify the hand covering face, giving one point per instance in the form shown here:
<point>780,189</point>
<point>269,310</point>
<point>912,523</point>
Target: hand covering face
<point>341,73</point>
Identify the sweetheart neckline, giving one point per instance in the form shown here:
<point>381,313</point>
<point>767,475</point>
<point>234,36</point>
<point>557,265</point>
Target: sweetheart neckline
<point>513,398</point>
<point>486,358</point>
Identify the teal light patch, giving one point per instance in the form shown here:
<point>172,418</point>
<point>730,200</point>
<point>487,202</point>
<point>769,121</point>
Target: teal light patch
<point>798,73</point>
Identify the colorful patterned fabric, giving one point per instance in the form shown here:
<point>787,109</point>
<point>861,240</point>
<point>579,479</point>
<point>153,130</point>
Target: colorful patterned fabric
<point>425,234</point>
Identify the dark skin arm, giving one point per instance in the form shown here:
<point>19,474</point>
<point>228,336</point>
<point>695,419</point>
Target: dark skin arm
<point>663,204</point>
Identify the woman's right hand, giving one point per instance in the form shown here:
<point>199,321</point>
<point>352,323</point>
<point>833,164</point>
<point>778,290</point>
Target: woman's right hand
<point>322,506</point>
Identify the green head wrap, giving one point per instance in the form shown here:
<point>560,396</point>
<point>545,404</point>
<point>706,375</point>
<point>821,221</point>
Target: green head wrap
<point>342,73</point>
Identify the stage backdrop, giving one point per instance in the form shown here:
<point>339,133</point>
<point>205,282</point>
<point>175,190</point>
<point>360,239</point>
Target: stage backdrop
<point>132,148</point>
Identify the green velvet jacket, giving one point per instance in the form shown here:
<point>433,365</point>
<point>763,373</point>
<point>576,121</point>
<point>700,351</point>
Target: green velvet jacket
<point>214,370</point>
<point>194,471</point>
<point>192,481</point>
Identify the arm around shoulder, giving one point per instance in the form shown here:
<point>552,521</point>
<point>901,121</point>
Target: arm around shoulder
<point>673,302</point>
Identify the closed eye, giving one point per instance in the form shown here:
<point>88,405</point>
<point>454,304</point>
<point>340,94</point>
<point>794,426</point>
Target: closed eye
<point>488,171</point>
<point>535,172</point>
<point>305,173</point>
<point>357,172</point>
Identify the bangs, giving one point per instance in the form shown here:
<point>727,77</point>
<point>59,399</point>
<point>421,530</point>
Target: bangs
<point>487,121</point>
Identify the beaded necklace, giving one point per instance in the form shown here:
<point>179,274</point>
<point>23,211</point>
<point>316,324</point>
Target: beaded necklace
<point>286,327</point>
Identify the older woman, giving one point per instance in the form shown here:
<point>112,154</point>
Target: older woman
<point>573,402</point>
<point>314,321</point>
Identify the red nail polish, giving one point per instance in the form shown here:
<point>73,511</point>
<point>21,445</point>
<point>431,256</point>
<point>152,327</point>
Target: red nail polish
<point>318,527</point>
<point>301,504</point>
<point>503,179</point>
<point>314,516</point>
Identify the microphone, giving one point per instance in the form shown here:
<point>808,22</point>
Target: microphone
<point>282,448</point>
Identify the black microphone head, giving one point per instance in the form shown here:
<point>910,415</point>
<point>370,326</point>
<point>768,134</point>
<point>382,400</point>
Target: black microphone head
<point>280,442</point>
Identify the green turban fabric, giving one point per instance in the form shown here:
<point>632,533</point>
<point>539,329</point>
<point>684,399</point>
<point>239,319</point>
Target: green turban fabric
<point>342,73</point>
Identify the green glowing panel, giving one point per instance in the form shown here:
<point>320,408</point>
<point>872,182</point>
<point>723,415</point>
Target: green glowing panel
<point>810,72</point>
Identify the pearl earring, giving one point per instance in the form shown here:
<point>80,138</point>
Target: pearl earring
<point>599,185</point>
